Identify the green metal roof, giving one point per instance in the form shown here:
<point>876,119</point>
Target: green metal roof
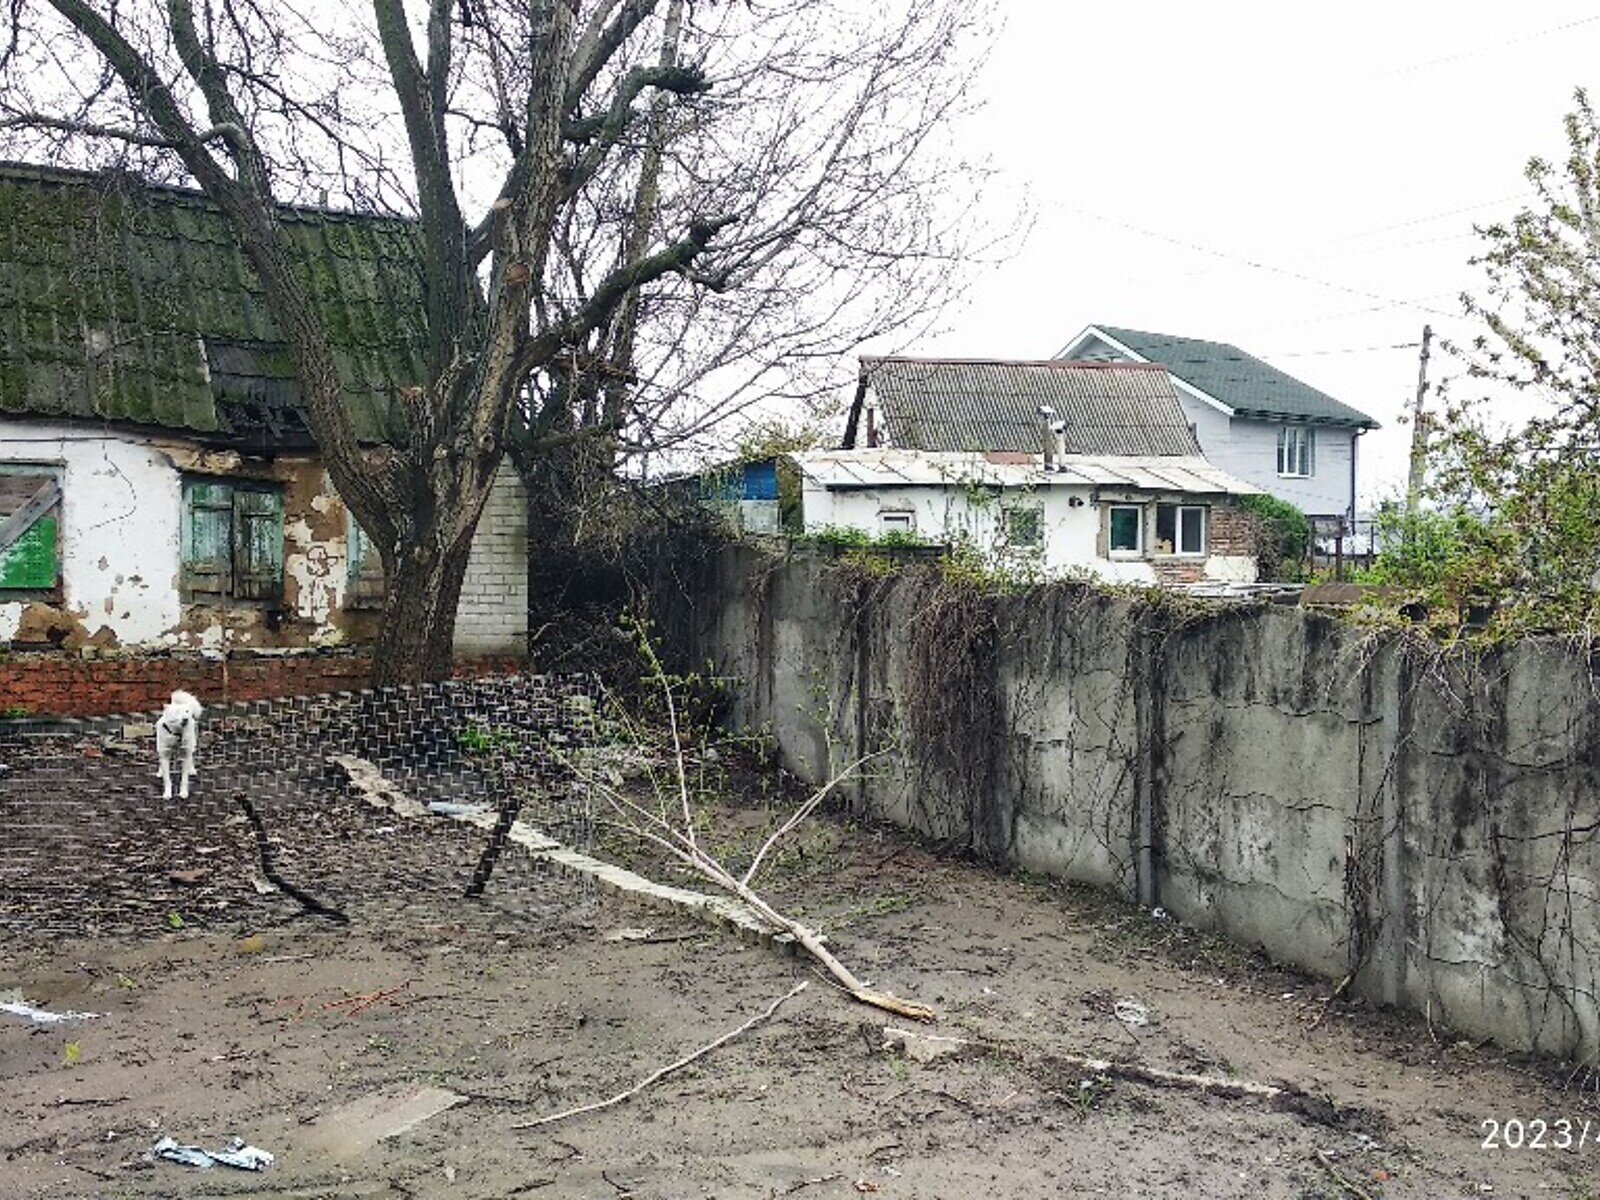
<point>130,303</point>
<point>1243,382</point>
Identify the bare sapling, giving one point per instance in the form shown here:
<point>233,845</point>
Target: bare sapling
<point>670,826</point>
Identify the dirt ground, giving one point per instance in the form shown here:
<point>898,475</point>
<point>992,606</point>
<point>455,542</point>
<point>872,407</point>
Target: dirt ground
<point>249,1021</point>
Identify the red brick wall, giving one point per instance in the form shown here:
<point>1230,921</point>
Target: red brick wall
<point>1174,571</point>
<point>1233,531</point>
<point>63,685</point>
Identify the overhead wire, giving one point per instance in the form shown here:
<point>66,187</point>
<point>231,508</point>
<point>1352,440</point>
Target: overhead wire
<point>1256,264</point>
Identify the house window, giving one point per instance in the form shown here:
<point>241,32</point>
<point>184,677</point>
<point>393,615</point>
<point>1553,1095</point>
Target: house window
<point>365,585</point>
<point>232,542</point>
<point>1024,526</point>
<point>1297,451</point>
<point>30,531</point>
<point>1126,530</point>
<point>1180,529</point>
<point>900,522</point>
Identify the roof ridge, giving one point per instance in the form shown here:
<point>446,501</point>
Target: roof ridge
<point>12,171</point>
<point>1053,363</point>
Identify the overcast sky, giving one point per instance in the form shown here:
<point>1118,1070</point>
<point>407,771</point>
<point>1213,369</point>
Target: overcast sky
<point>1299,180</point>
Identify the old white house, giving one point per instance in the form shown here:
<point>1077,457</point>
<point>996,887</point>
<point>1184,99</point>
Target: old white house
<point>1049,465</point>
<point>158,485</point>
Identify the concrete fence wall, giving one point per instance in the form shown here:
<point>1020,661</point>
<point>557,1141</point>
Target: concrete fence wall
<point>1353,803</point>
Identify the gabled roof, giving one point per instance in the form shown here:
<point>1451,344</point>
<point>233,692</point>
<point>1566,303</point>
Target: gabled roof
<point>1226,374</point>
<point>991,404</point>
<point>857,470</point>
<point>129,303</point>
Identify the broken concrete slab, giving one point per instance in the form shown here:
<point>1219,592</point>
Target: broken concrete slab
<point>360,1125</point>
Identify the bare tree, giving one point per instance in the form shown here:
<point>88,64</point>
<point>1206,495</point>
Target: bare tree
<point>653,188</point>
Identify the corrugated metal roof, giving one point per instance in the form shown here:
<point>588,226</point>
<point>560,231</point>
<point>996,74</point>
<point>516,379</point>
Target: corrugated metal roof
<point>972,404</point>
<point>132,303</point>
<point>885,467</point>
<point>1243,382</point>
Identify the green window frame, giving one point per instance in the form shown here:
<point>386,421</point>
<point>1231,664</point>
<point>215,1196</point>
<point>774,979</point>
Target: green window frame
<point>1125,530</point>
<point>365,585</point>
<point>30,531</point>
<point>232,542</point>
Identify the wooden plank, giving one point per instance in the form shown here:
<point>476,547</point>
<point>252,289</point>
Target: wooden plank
<point>207,539</point>
<point>46,497</point>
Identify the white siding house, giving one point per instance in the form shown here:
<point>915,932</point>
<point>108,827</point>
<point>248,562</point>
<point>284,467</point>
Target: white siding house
<point>1252,420</point>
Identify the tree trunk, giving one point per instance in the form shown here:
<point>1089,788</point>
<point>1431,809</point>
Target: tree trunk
<point>424,588</point>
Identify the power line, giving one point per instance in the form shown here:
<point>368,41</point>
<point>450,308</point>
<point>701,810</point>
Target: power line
<point>1256,264</point>
<point>1502,45</point>
<point>1414,221</point>
<point>1346,350</point>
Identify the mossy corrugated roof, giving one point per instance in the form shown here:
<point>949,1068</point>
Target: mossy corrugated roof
<point>119,301</point>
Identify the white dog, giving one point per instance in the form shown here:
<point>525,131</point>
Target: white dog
<point>177,727</point>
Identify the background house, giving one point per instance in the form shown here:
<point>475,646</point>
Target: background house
<point>158,484</point>
<point>1251,419</point>
<point>1052,465</point>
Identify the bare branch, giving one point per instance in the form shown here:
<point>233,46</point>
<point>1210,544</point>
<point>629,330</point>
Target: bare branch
<point>657,1076</point>
<point>89,129</point>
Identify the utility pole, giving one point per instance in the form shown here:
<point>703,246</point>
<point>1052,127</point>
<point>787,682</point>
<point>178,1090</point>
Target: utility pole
<point>1419,429</point>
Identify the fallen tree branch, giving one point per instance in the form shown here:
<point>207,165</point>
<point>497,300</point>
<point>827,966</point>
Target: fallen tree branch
<point>1339,1177</point>
<point>1333,998</point>
<point>659,833</point>
<point>1216,1085</point>
<point>661,1074</point>
<point>264,852</point>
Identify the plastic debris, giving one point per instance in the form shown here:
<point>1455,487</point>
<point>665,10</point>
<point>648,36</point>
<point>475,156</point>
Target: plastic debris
<point>449,808</point>
<point>236,1154</point>
<point>1131,1013</point>
<point>921,1047</point>
<point>631,934</point>
<point>13,1003</point>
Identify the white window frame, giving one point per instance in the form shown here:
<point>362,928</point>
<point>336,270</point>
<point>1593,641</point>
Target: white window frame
<point>897,520</point>
<point>1297,451</point>
<point>1179,510</point>
<point>1138,550</point>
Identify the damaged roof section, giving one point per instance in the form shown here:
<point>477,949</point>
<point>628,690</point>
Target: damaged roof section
<point>130,303</point>
<point>858,470</point>
<point>946,405</point>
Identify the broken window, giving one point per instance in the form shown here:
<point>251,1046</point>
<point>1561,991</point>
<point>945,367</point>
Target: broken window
<point>1180,529</point>
<point>1126,530</point>
<point>30,530</point>
<point>364,582</point>
<point>232,547</point>
<point>1025,527</point>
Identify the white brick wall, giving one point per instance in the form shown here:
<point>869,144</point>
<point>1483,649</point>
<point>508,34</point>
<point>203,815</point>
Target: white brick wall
<point>493,615</point>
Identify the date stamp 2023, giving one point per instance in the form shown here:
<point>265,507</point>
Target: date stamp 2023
<point>1540,1133</point>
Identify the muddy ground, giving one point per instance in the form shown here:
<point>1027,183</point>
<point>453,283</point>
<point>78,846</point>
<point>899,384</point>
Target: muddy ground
<point>251,1021</point>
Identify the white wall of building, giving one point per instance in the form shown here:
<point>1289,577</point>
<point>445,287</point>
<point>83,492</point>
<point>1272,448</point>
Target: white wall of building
<point>118,532</point>
<point>1251,453</point>
<point>120,527</point>
<point>1072,526</point>
<point>492,617</point>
